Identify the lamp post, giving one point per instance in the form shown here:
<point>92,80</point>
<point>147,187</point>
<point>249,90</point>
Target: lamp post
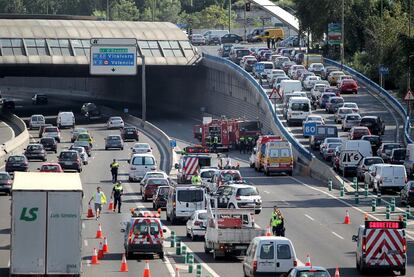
<point>144,91</point>
<point>381,42</point>
<point>229,16</point>
<point>343,35</point>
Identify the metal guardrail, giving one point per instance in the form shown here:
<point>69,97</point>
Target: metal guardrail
<point>288,136</point>
<point>392,100</point>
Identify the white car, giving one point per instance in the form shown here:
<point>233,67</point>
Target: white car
<point>317,90</point>
<point>82,153</point>
<point>273,74</point>
<point>350,120</point>
<point>197,224</point>
<point>140,148</point>
<point>313,118</point>
<point>206,175</point>
<point>115,122</point>
<point>310,81</point>
<point>52,132</point>
<point>36,121</point>
<point>316,68</point>
<point>327,141</point>
<point>351,105</point>
<point>238,196</point>
<point>294,68</point>
<point>198,39</point>
<point>153,174</point>
<point>341,113</point>
<point>141,164</point>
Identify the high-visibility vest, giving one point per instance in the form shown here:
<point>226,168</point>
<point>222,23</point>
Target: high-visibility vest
<point>196,180</point>
<point>275,221</point>
<point>215,139</point>
<point>102,195</point>
<point>114,165</point>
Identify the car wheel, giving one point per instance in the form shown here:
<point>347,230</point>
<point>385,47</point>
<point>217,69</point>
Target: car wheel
<point>144,198</point>
<point>173,220</point>
<point>44,159</point>
<point>122,148</point>
<point>161,254</point>
<point>193,237</point>
<point>215,257</point>
<point>206,249</point>
<point>187,234</point>
<point>231,206</point>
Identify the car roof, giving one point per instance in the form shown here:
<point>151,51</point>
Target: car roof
<point>272,238</point>
<point>240,185</point>
<point>310,268</point>
<point>143,155</point>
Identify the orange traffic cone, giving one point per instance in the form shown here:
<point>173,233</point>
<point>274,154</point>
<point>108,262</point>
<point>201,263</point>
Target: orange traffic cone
<point>100,252</point>
<point>347,219</point>
<point>308,261</point>
<point>94,257</point>
<point>111,206</point>
<point>90,212</point>
<point>268,231</point>
<point>105,246</point>
<point>337,272</point>
<point>124,265</point>
<point>177,272</point>
<point>147,271</point>
<point>99,232</point>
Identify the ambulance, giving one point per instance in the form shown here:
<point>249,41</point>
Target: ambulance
<point>260,150</point>
<point>381,245</point>
<point>278,158</point>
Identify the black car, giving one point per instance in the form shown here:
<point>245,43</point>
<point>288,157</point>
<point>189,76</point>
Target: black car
<point>39,99</point>
<point>35,151</point>
<point>231,38</point>
<point>5,182</point>
<point>374,123</point>
<point>130,132</point>
<point>407,194</point>
<point>70,159</point>
<point>91,111</point>
<point>84,144</point>
<point>160,197</point>
<point>17,163</point>
<point>49,144</point>
<point>8,104</point>
<point>374,140</point>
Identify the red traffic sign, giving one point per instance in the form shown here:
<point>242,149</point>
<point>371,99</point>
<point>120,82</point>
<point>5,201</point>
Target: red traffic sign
<point>409,96</point>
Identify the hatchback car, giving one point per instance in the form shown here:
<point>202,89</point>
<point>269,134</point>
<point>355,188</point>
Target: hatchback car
<point>42,128</point>
<point>374,124</point>
<point>5,182</point>
<point>140,148</point>
<point>115,122</point>
<point>49,144</point>
<point>350,120</point>
<point>385,150</point>
<point>150,187</point>
<point>35,151</point>
<point>82,153</point>
<point>407,194</point>
<point>50,167</point>
<point>91,111</point>
<point>308,271</point>
<point>348,85</point>
<point>358,132</point>
<point>70,160</point>
<point>52,132</point>
<point>197,224</point>
<point>341,113</point>
<point>351,105</point>
<point>364,164</point>
<point>328,151</point>
<point>334,103</point>
<point>76,132</point>
<point>130,133</point>
<point>84,144</point>
<point>114,142</point>
<point>159,201</point>
<point>17,163</point>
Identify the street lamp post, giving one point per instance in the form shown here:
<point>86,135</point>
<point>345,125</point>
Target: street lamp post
<point>144,91</point>
<point>343,35</point>
<point>229,16</point>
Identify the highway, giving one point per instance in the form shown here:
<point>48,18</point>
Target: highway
<point>6,132</point>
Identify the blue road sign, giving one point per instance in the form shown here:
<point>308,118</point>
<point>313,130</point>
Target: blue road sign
<point>173,143</point>
<point>309,129</point>
<point>384,70</point>
<point>121,59</point>
<point>259,67</point>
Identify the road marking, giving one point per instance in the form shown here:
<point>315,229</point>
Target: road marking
<point>8,264</point>
<point>335,234</point>
<point>83,225</point>
<point>265,191</point>
<point>342,201</point>
<point>85,242</point>
<point>311,218</point>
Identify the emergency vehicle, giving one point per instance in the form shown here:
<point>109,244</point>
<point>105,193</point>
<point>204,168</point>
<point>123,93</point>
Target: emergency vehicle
<point>144,233</point>
<point>381,245</point>
<point>278,157</point>
<point>188,165</point>
<point>261,149</point>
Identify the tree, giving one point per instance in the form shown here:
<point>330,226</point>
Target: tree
<point>213,16</point>
<point>124,10</point>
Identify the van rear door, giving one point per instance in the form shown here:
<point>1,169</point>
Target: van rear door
<point>189,200</point>
<point>285,256</point>
<point>266,261</point>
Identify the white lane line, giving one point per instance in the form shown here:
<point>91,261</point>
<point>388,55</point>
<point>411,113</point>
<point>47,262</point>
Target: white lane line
<point>308,216</point>
<point>8,264</point>
<point>342,201</point>
<point>83,225</point>
<point>335,234</point>
<point>265,191</point>
<point>85,242</point>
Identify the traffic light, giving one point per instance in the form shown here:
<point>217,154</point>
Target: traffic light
<point>248,7</point>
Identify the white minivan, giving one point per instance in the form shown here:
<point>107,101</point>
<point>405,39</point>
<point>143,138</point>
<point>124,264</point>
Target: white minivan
<point>298,109</point>
<point>36,121</point>
<point>390,177</point>
<point>183,201</point>
<point>141,164</point>
<point>65,119</point>
<point>269,255</point>
<point>287,86</point>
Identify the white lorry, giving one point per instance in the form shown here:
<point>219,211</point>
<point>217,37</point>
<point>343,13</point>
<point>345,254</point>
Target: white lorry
<point>46,224</point>
<point>229,231</point>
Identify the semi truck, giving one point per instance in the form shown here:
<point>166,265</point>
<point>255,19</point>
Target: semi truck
<point>46,224</point>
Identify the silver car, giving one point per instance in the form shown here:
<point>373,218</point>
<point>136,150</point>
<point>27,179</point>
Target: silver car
<point>350,120</point>
<point>82,153</point>
<point>341,113</point>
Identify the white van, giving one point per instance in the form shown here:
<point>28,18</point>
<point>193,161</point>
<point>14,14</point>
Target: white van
<point>287,86</point>
<point>36,121</point>
<point>65,119</point>
<point>141,164</point>
<point>183,201</point>
<point>390,177</point>
<point>298,109</point>
<point>210,34</point>
<point>269,255</point>
<point>352,151</point>
<point>409,159</point>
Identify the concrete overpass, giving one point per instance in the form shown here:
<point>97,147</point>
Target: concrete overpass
<point>284,16</point>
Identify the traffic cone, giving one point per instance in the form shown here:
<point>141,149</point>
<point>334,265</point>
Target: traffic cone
<point>90,212</point>
<point>268,232</point>
<point>111,206</point>
<point>124,265</point>
<point>147,271</point>
<point>100,252</point>
<point>177,272</point>
<point>95,257</point>
<point>337,272</point>
<point>105,246</point>
<point>99,232</point>
<point>347,219</point>
<point>308,261</point>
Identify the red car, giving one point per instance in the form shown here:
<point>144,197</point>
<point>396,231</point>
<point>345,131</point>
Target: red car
<point>51,167</point>
<point>348,85</point>
<point>151,185</point>
<point>358,132</point>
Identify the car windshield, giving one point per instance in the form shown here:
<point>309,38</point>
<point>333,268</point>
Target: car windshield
<point>202,216</point>
<point>78,149</point>
<point>81,143</point>
<point>114,138</point>
<point>50,129</point>
<point>49,168</point>
<point>353,117</point>
<point>129,129</point>
<point>242,52</point>
<point>360,131</point>
<point>207,174</point>
<point>144,228</point>
<point>399,154</point>
<point>68,155</point>
<point>371,161</point>
<point>163,191</point>
<point>333,145</point>
<point>337,100</point>
<point>143,161</point>
<point>16,159</point>
<point>141,146</point>
<point>391,146</point>
<point>326,96</point>
<point>157,182</point>
<point>345,111</point>
<point>116,119</point>
<point>247,192</point>
<point>154,175</point>
<point>34,147</point>
<point>313,273</point>
<point>190,195</point>
<point>47,140</point>
<point>368,121</point>
<point>4,176</point>
<point>304,107</point>
<point>230,176</point>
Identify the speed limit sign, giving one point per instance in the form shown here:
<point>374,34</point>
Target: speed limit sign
<point>309,129</point>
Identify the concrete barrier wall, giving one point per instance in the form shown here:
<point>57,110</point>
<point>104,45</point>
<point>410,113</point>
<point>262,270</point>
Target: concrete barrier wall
<point>19,142</point>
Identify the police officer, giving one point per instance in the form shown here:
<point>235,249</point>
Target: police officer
<point>249,144</point>
<point>114,170</point>
<point>276,221</point>
<point>196,179</point>
<point>242,145</point>
<point>117,191</point>
<point>215,143</point>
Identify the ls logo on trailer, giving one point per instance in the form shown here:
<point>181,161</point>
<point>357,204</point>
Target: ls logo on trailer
<point>32,216</point>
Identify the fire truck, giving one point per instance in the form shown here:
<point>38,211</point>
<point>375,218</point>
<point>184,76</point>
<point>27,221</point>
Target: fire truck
<point>227,131</point>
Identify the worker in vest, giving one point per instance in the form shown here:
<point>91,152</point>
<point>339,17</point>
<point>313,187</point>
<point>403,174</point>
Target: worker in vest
<point>99,199</point>
<point>196,179</point>
<point>117,191</point>
<point>215,143</point>
<point>114,170</point>
<point>276,222</point>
